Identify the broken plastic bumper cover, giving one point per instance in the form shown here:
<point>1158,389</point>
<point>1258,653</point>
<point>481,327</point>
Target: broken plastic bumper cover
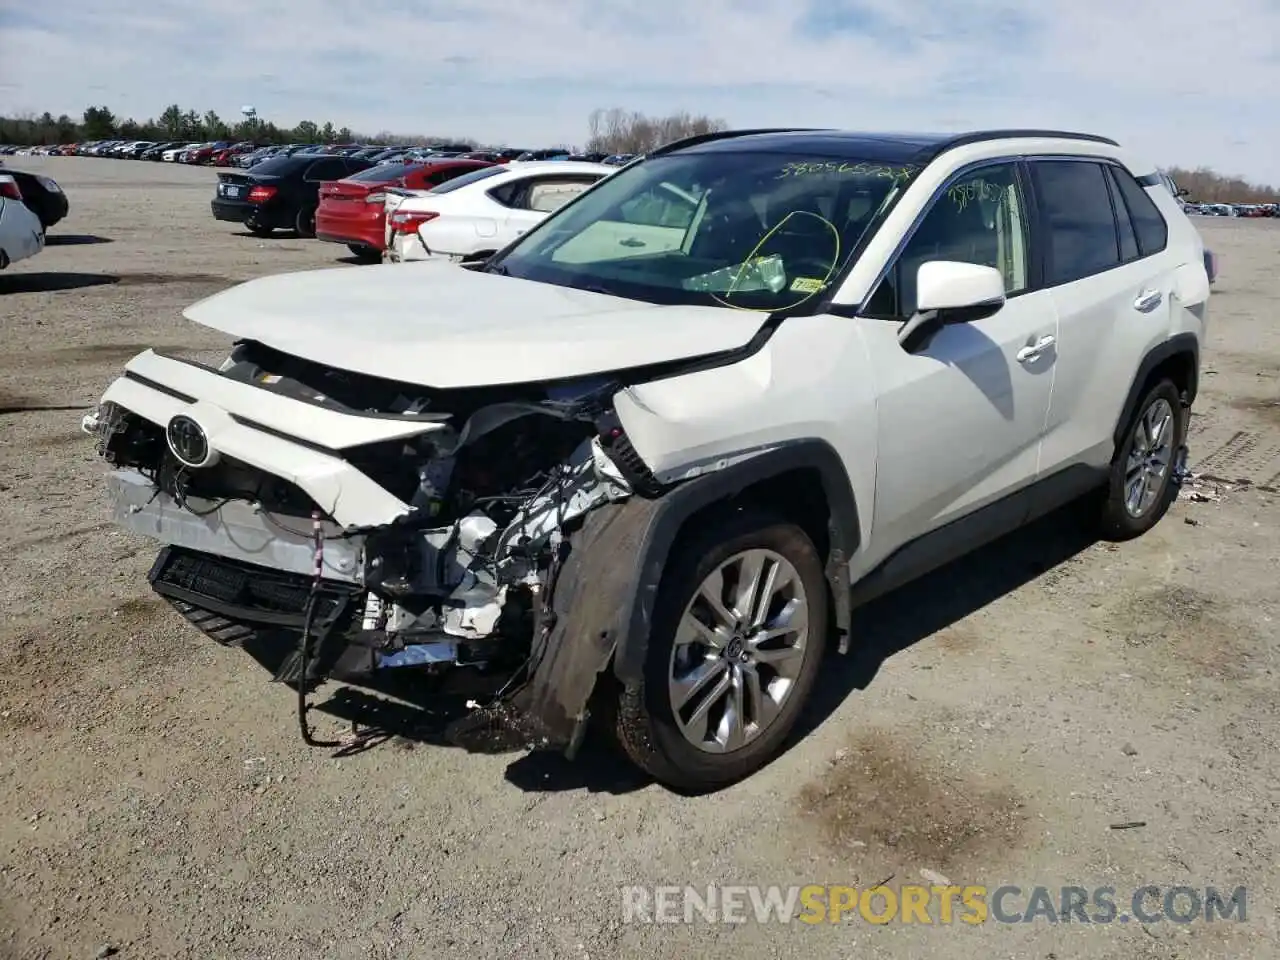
<point>235,530</point>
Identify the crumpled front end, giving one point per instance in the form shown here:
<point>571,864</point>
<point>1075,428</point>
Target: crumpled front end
<point>358,525</point>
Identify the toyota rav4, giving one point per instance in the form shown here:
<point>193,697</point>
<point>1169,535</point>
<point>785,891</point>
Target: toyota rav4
<point>639,466</point>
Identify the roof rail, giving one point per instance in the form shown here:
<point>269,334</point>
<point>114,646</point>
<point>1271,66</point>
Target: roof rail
<point>725,135</point>
<point>979,136</point>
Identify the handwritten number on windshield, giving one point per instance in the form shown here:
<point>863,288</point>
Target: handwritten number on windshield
<point>835,168</point>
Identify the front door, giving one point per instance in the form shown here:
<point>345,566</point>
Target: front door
<point>961,419</point>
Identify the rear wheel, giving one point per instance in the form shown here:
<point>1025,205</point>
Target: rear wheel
<point>365,254</point>
<point>739,630</point>
<point>1142,485</point>
<point>305,222</point>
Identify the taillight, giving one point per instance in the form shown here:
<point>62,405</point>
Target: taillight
<point>261,194</point>
<point>375,198</point>
<point>9,188</point>
<point>408,221</point>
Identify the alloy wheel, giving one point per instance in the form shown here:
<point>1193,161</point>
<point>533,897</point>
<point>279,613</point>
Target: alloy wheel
<point>1150,458</point>
<point>739,648</point>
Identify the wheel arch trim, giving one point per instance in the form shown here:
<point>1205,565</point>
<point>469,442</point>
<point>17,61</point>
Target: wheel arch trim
<point>1181,344</point>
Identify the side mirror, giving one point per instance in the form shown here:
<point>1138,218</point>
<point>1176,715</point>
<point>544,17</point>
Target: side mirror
<point>951,292</point>
<point>1183,192</point>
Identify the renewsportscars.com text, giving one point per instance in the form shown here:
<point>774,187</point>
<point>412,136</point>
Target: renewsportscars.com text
<point>923,904</point>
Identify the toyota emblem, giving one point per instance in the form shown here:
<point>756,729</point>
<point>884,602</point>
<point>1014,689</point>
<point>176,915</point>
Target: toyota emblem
<point>189,442</point>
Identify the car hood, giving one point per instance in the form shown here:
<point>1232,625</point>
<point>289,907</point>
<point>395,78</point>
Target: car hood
<point>437,324</point>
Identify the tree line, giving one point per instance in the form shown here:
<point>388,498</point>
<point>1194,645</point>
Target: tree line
<point>1207,186</point>
<point>610,131</point>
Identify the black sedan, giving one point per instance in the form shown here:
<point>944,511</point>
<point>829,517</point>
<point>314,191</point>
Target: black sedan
<point>281,193</point>
<point>42,196</point>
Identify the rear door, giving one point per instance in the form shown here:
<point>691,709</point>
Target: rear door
<point>1109,268</point>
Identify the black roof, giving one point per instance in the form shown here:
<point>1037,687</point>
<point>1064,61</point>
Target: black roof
<point>900,148</point>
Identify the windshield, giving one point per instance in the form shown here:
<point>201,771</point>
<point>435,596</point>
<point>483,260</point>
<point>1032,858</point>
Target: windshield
<point>745,230</point>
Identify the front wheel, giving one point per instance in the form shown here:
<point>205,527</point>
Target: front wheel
<point>1142,484</point>
<point>739,630</point>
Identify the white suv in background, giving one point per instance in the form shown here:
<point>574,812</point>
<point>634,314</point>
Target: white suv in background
<point>640,465</point>
<point>479,213</point>
<point>21,233</point>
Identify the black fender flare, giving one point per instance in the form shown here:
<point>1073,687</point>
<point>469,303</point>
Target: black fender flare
<point>688,499</point>
<point>604,596</point>
<point>1179,343</point>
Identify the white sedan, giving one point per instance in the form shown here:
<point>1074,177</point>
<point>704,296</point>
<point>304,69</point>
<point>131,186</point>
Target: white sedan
<point>21,234</point>
<point>483,211</point>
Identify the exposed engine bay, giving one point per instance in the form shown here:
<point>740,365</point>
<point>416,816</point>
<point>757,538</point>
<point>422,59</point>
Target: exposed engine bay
<point>462,577</point>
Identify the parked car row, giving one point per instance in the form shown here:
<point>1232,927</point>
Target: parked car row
<point>246,154</point>
<point>455,207</point>
<point>1232,209</point>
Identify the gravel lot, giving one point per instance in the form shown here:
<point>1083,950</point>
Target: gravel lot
<point>996,721</point>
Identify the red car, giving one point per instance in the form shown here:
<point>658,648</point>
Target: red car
<point>224,157</point>
<point>352,211</point>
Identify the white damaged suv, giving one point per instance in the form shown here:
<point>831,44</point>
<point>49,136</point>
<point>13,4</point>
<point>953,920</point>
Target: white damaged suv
<point>638,466</point>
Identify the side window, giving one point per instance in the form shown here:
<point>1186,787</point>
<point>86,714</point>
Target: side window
<point>662,206</point>
<point>1124,226</point>
<point>1081,227</point>
<point>980,218</point>
<point>1152,232</point>
<point>547,194</point>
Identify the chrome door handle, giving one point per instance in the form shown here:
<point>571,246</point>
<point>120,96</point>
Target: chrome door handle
<point>1033,351</point>
<point>1148,300</point>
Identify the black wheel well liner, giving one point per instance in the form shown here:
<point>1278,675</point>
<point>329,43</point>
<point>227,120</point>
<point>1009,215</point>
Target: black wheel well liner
<point>804,481</point>
<point>1177,358</point>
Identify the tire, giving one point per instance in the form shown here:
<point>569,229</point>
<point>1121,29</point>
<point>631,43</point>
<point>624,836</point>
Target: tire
<point>365,254</point>
<point>305,222</point>
<point>667,742</point>
<point>1124,514</point>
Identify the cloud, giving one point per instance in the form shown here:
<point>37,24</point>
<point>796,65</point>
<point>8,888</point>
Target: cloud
<point>1180,83</point>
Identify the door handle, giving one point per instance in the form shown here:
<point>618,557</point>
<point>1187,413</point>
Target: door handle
<point>1033,351</point>
<point>1148,300</point>
<point>631,242</point>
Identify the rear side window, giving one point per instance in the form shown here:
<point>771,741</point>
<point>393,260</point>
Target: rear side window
<point>543,194</point>
<point>1148,225</point>
<point>1080,225</point>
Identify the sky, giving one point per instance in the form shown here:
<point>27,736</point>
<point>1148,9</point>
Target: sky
<point>1180,83</point>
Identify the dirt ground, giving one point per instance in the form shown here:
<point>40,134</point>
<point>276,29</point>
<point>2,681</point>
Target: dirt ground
<point>995,722</point>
